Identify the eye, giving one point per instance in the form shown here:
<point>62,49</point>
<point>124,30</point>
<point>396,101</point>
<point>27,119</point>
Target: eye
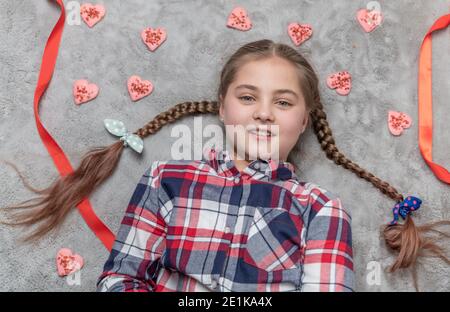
<point>285,104</point>
<point>246,98</point>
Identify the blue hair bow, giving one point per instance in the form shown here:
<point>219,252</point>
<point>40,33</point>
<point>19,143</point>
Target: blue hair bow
<point>117,128</point>
<point>405,207</point>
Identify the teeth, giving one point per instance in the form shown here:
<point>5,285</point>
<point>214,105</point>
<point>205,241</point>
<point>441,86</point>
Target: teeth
<point>261,133</point>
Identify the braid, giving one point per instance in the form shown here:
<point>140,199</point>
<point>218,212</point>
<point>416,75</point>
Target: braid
<point>175,113</point>
<point>408,240</point>
<point>326,140</point>
<point>53,203</point>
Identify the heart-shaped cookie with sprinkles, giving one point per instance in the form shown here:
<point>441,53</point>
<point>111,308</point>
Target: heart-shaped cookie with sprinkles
<point>341,81</point>
<point>299,33</point>
<point>83,91</point>
<point>239,19</point>
<point>92,14</point>
<point>67,262</point>
<point>138,88</point>
<point>369,20</point>
<point>398,121</point>
<point>153,37</point>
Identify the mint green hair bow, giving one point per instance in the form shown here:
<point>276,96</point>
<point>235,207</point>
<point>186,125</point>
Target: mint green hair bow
<point>117,128</point>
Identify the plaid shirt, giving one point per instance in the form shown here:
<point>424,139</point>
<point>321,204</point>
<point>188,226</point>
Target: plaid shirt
<point>202,225</point>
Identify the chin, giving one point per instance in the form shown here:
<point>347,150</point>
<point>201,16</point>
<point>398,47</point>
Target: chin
<point>260,153</point>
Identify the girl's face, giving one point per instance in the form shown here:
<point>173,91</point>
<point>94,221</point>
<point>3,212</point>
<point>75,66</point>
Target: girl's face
<point>265,94</point>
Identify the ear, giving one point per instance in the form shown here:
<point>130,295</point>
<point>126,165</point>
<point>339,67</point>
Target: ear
<point>305,122</point>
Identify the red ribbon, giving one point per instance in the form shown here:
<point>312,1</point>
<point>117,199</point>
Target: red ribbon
<point>425,99</point>
<point>59,158</point>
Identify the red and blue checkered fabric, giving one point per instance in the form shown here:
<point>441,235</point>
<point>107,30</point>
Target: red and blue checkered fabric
<point>203,225</point>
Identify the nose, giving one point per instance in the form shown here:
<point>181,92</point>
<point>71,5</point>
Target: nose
<point>263,112</point>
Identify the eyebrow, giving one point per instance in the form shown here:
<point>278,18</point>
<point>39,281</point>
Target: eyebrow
<point>279,91</point>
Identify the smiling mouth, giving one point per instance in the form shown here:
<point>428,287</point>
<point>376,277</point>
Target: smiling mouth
<point>261,134</point>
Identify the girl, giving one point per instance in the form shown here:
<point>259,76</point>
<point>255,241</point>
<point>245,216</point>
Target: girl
<point>224,223</point>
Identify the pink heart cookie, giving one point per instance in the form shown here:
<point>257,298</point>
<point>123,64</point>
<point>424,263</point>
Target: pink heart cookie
<point>67,262</point>
<point>369,20</point>
<point>138,88</point>
<point>299,32</point>
<point>239,19</point>
<point>92,14</point>
<point>341,81</point>
<point>153,38</point>
<point>83,91</point>
<point>397,121</point>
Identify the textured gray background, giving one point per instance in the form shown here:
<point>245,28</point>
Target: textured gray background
<point>186,67</point>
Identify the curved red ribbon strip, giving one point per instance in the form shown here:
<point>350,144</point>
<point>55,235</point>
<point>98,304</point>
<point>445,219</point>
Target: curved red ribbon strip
<point>425,99</point>
<point>59,158</point>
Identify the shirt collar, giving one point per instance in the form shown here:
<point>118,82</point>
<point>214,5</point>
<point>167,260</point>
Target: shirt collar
<point>271,169</point>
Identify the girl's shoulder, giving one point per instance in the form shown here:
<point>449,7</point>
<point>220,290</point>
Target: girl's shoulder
<point>306,189</point>
<point>159,168</point>
<point>317,191</point>
<point>315,196</point>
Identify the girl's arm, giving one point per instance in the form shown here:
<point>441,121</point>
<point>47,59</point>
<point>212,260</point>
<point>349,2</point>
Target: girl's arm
<point>328,262</point>
<point>133,264</point>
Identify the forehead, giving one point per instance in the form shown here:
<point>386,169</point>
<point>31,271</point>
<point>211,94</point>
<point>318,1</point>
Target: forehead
<point>273,74</point>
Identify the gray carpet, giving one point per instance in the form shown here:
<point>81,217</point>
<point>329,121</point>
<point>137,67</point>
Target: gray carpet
<point>186,67</point>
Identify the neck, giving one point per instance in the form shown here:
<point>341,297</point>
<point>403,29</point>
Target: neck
<point>241,164</point>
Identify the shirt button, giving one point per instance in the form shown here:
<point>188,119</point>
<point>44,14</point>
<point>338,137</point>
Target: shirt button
<point>236,180</point>
<point>214,284</point>
<point>227,229</point>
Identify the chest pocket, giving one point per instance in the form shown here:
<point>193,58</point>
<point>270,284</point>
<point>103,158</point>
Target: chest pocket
<point>274,240</point>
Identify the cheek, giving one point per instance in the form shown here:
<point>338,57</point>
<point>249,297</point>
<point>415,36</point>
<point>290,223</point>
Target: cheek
<point>291,125</point>
<point>235,112</point>
<point>290,130</point>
